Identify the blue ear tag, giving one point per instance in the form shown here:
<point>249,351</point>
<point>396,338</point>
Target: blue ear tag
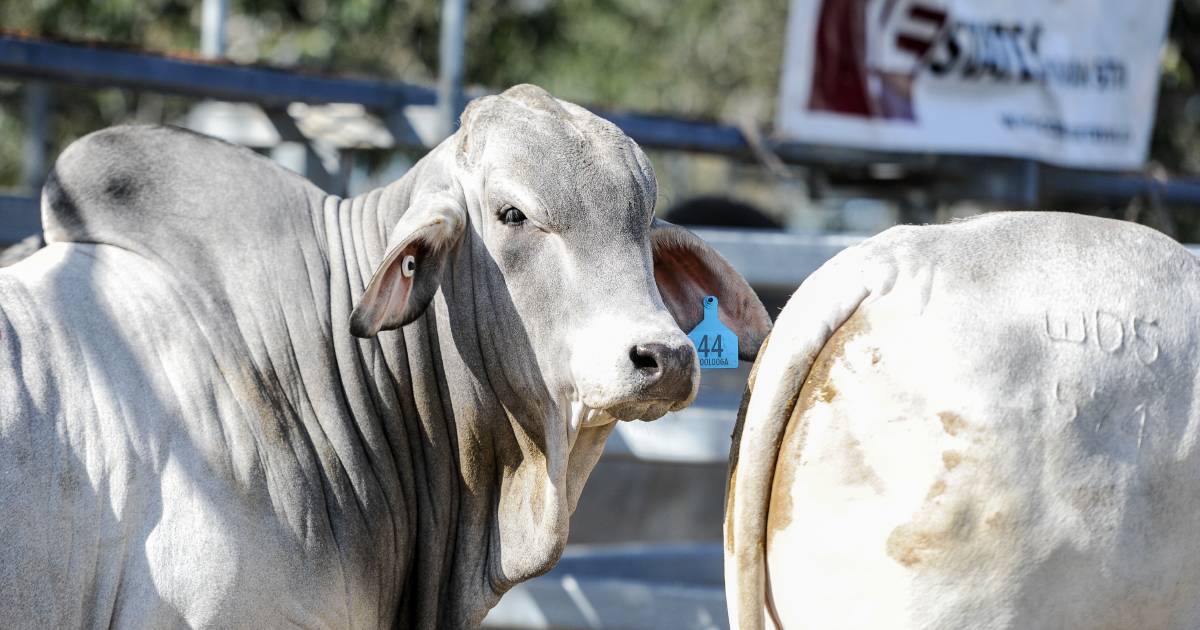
<point>716,345</point>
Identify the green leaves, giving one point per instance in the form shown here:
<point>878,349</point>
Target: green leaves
<point>702,58</point>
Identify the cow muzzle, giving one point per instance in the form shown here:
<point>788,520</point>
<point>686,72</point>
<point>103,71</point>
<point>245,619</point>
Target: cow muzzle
<point>641,380</point>
<point>667,371</point>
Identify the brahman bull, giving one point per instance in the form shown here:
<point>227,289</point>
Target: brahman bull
<point>191,435</point>
<point>990,424</point>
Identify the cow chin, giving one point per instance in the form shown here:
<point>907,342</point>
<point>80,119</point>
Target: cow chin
<point>652,372</point>
<point>632,400</point>
<point>594,413</point>
<point>644,409</point>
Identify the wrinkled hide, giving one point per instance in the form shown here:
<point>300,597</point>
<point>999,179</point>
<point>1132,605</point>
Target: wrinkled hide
<point>190,434</point>
<point>990,424</point>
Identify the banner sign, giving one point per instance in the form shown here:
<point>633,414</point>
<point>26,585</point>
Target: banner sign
<point>1072,82</point>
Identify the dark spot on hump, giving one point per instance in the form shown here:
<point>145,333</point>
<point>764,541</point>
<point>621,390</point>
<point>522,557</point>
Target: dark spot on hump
<point>58,198</point>
<point>121,187</point>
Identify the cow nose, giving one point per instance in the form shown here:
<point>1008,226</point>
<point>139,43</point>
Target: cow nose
<point>648,358</point>
<point>667,370</point>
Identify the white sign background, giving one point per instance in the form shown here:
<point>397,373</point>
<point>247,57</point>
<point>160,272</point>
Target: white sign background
<point>1072,82</point>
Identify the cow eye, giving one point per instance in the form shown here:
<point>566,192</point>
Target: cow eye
<point>512,216</point>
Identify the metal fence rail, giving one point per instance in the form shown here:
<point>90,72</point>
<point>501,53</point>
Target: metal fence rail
<point>961,177</point>
<point>107,66</point>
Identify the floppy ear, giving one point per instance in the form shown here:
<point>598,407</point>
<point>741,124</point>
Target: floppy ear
<point>687,269</point>
<point>409,275</point>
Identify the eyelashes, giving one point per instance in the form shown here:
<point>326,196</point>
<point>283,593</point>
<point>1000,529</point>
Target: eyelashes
<point>512,216</point>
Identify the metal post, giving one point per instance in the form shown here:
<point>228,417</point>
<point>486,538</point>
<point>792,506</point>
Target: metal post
<point>450,71</point>
<point>212,28</point>
<point>36,111</point>
<point>1031,189</point>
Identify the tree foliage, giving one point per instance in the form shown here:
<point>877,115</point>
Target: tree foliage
<point>1176,143</point>
<point>701,57</point>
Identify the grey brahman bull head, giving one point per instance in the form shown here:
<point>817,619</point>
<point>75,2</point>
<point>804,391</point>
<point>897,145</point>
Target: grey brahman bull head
<point>561,204</point>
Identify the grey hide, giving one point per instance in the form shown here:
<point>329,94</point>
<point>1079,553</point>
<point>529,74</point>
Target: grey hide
<point>190,434</point>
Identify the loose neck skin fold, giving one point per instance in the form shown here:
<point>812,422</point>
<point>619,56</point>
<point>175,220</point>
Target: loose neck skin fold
<point>489,462</point>
<point>396,392</point>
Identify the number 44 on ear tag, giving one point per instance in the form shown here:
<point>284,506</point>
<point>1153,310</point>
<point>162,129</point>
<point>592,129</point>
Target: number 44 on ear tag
<point>716,345</point>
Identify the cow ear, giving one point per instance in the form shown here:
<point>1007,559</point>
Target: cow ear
<point>404,283</point>
<point>687,269</point>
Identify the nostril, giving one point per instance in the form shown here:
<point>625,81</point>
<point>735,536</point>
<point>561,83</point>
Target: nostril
<point>664,372</point>
<point>645,357</point>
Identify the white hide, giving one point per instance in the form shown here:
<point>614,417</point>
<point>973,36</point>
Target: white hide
<point>989,424</point>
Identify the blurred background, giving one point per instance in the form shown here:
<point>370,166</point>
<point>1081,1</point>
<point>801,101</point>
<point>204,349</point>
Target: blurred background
<point>351,93</point>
